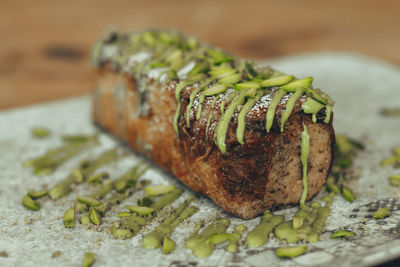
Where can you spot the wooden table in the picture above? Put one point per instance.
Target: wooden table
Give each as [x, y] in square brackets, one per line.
[44, 47]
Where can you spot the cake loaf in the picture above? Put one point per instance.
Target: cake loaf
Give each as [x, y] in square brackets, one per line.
[224, 126]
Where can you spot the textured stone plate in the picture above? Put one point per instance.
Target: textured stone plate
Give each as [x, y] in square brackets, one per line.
[360, 86]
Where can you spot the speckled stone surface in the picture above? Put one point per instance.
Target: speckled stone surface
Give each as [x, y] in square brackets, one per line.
[359, 85]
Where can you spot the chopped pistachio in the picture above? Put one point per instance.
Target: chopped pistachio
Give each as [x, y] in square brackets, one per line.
[396, 151]
[141, 210]
[38, 194]
[121, 233]
[56, 254]
[230, 80]
[316, 94]
[219, 238]
[347, 193]
[342, 233]
[97, 178]
[145, 202]
[277, 81]
[40, 132]
[331, 185]
[390, 112]
[88, 201]
[240, 86]
[158, 189]
[168, 245]
[214, 90]
[199, 68]
[221, 72]
[382, 213]
[79, 138]
[78, 174]
[4, 254]
[124, 214]
[94, 216]
[390, 161]
[395, 180]
[30, 204]
[88, 259]
[85, 220]
[302, 83]
[291, 252]
[69, 218]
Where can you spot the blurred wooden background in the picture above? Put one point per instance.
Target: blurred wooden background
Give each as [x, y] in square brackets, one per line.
[45, 44]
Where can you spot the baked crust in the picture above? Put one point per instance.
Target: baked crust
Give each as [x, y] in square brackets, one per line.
[263, 173]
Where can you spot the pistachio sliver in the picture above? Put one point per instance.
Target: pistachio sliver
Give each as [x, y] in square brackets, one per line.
[88, 201]
[199, 68]
[88, 259]
[78, 175]
[241, 86]
[396, 151]
[389, 161]
[221, 72]
[382, 213]
[141, 210]
[94, 216]
[347, 193]
[40, 132]
[315, 93]
[124, 214]
[69, 218]
[230, 80]
[219, 238]
[85, 220]
[121, 233]
[290, 252]
[395, 180]
[168, 245]
[342, 233]
[30, 204]
[277, 81]
[158, 189]
[214, 90]
[38, 194]
[97, 178]
[293, 86]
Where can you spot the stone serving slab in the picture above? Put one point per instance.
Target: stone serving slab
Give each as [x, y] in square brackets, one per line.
[360, 86]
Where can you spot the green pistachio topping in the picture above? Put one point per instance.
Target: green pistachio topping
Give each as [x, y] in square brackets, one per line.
[342, 233]
[69, 218]
[241, 117]
[291, 252]
[40, 132]
[260, 235]
[38, 194]
[395, 180]
[140, 210]
[168, 245]
[305, 152]
[94, 216]
[187, 61]
[215, 90]
[88, 259]
[290, 105]
[156, 190]
[272, 108]
[200, 243]
[30, 204]
[347, 193]
[382, 213]
[298, 84]
[277, 81]
[240, 86]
